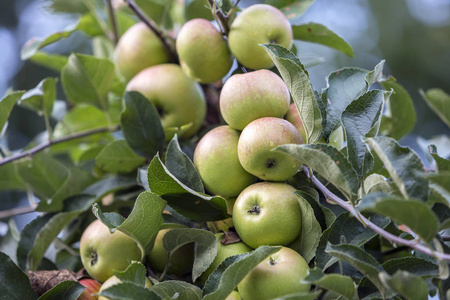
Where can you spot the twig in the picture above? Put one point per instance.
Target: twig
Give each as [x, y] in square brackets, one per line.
[389, 236]
[41, 147]
[112, 18]
[17, 211]
[231, 10]
[150, 24]
[223, 19]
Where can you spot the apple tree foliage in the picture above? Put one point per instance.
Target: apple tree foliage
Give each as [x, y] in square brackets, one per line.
[107, 158]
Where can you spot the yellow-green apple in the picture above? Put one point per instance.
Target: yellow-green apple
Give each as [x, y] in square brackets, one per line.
[217, 162]
[258, 24]
[103, 252]
[137, 49]
[267, 213]
[279, 274]
[223, 225]
[249, 96]
[181, 260]
[224, 251]
[203, 52]
[234, 296]
[178, 98]
[256, 143]
[294, 118]
[113, 280]
[92, 288]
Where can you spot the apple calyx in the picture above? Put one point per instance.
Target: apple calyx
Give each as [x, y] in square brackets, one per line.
[270, 163]
[94, 258]
[256, 210]
[272, 261]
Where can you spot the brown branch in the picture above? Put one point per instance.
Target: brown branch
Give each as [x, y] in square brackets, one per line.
[17, 211]
[222, 18]
[41, 147]
[112, 18]
[150, 24]
[389, 236]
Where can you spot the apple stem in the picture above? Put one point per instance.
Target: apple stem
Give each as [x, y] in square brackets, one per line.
[150, 24]
[112, 18]
[222, 18]
[255, 210]
[413, 244]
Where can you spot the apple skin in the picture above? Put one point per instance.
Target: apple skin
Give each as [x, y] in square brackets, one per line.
[177, 96]
[224, 251]
[223, 225]
[293, 117]
[279, 274]
[181, 260]
[92, 288]
[258, 24]
[250, 96]
[256, 143]
[113, 280]
[203, 53]
[137, 49]
[234, 296]
[217, 162]
[267, 213]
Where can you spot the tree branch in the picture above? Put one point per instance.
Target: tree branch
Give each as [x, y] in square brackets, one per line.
[223, 19]
[150, 24]
[112, 18]
[389, 236]
[41, 147]
[17, 211]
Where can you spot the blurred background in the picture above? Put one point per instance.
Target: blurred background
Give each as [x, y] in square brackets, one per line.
[413, 36]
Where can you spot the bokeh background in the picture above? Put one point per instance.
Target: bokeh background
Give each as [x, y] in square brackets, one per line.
[413, 36]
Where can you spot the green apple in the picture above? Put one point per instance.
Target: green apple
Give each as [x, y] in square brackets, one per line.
[234, 296]
[113, 280]
[178, 98]
[181, 260]
[137, 49]
[294, 118]
[267, 213]
[279, 274]
[217, 162]
[103, 252]
[250, 96]
[256, 143]
[203, 52]
[258, 24]
[224, 251]
[92, 288]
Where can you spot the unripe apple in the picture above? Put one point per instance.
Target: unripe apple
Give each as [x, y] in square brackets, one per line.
[178, 98]
[256, 143]
[250, 96]
[217, 162]
[293, 117]
[267, 213]
[103, 252]
[234, 296]
[203, 52]
[137, 49]
[258, 24]
[113, 280]
[181, 260]
[224, 251]
[92, 288]
[279, 274]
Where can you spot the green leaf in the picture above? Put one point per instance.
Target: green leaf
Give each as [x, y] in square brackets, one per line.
[205, 249]
[329, 163]
[181, 166]
[135, 272]
[180, 290]
[6, 105]
[196, 206]
[440, 182]
[308, 240]
[296, 78]
[144, 221]
[361, 119]
[346, 229]
[439, 102]
[54, 62]
[408, 285]
[359, 259]
[292, 9]
[129, 291]
[117, 156]
[376, 183]
[87, 79]
[232, 270]
[9, 178]
[401, 114]
[197, 9]
[323, 214]
[69, 290]
[42, 97]
[74, 6]
[341, 285]
[418, 266]
[320, 34]
[408, 212]
[442, 164]
[300, 296]
[141, 125]
[404, 166]
[14, 283]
